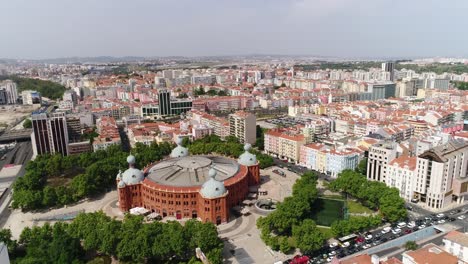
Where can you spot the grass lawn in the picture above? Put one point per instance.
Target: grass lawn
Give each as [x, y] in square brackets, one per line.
[326, 231]
[357, 208]
[326, 211]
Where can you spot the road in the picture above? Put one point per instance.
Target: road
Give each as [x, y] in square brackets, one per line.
[20, 155]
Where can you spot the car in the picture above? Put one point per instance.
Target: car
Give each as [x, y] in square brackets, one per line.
[440, 215]
[416, 228]
[345, 245]
[359, 239]
[421, 226]
[441, 221]
[415, 200]
[384, 239]
[333, 245]
[408, 231]
[451, 219]
[461, 217]
[333, 253]
[377, 242]
[411, 224]
[452, 212]
[329, 259]
[458, 211]
[401, 225]
[391, 237]
[369, 237]
[366, 246]
[409, 208]
[396, 231]
[386, 230]
[377, 235]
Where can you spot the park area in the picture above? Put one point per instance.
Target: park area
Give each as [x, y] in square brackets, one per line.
[326, 211]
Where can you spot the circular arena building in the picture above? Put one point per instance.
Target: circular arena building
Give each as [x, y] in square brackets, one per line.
[183, 186]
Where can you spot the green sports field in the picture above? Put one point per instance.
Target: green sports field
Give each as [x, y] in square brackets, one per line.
[326, 211]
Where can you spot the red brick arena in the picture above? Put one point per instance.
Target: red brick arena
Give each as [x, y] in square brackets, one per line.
[183, 186]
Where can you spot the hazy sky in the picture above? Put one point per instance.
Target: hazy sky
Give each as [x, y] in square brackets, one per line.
[348, 28]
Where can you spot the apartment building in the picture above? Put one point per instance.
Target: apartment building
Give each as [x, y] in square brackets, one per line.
[219, 126]
[380, 156]
[108, 133]
[441, 177]
[456, 243]
[319, 157]
[284, 144]
[243, 126]
[401, 173]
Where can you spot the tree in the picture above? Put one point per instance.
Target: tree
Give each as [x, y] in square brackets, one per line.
[308, 237]
[411, 245]
[5, 237]
[27, 123]
[362, 167]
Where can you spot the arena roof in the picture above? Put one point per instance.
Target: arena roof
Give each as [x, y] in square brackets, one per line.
[191, 170]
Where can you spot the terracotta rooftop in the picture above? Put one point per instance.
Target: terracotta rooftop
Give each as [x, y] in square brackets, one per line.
[430, 254]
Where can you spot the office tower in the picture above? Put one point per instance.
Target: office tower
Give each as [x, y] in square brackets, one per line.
[243, 126]
[389, 67]
[164, 98]
[50, 133]
[31, 97]
[11, 90]
[380, 156]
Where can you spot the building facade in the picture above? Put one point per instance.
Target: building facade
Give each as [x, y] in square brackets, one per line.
[182, 186]
[380, 156]
[50, 133]
[242, 125]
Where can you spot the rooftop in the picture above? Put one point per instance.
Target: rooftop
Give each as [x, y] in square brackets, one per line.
[191, 170]
[431, 254]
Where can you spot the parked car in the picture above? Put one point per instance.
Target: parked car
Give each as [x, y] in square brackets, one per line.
[401, 224]
[461, 217]
[441, 221]
[411, 224]
[408, 231]
[440, 215]
[386, 230]
[396, 231]
[421, 226]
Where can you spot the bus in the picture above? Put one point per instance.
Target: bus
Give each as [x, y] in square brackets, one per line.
[348, 238]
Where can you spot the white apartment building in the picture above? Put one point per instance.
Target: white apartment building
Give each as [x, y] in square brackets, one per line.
[380, 156]
[456, 243]
[401, 173]
[441, 177]
[243, 126]
[11, 91]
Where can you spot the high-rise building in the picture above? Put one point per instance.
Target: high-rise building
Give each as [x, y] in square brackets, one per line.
[11, 90]
[50, 133]
[389, 67]
[243, 126]
[3, 97]
[380, 156]
[441, 177]
[164, 98]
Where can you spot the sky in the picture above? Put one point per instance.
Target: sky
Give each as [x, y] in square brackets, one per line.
[33, 29]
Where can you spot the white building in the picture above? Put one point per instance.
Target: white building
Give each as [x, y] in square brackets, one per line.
[243, 126]
[456, 243]
[11, 91]
[31, 97]
[401, 175]
[380, 156]
[441, 177]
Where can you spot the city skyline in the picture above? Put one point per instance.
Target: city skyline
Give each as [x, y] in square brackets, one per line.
[334, 28]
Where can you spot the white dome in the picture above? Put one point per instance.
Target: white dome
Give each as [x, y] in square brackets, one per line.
[179, 151]
[212, 188]
[132, 176]
[247, 158]
[131, 159]
[121, 184]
